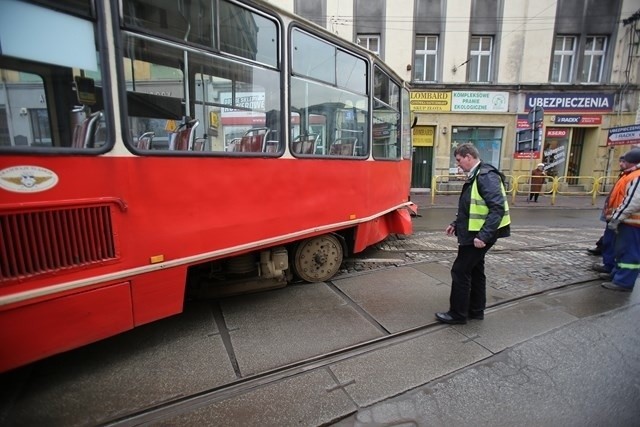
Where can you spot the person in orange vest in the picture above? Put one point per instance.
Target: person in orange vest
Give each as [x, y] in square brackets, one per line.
[622, 212]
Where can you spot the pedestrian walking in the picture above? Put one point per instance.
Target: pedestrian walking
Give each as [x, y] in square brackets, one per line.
[482, 218]
[623, 219]
[538, 177]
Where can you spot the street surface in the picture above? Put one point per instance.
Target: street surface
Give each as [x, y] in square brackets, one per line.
[364, 349]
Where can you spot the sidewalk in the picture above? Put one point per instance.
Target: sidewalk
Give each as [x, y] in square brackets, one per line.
[424, 200]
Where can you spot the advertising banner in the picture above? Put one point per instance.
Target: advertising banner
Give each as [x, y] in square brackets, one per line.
[589, 102]
[527, 145]
[479, 102]
[624, 135]
[429, 101]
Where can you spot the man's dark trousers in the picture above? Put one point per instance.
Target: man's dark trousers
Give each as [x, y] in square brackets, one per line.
[468, 282]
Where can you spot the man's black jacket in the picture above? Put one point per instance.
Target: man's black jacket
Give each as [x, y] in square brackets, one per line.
[489, 179]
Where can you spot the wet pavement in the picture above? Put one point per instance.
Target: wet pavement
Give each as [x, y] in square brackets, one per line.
[554, 348]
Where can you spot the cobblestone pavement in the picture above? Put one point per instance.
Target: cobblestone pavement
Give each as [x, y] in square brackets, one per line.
[532, 260]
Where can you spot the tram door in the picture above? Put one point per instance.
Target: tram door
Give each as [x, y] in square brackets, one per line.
[421, 165]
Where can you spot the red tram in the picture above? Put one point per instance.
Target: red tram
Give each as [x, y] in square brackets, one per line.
[154, 149]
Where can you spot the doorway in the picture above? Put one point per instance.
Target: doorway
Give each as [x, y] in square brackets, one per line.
[575, 154]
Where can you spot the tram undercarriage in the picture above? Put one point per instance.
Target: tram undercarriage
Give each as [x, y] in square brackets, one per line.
[315, 259]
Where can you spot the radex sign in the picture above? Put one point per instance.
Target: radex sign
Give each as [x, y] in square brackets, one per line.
[624, 135]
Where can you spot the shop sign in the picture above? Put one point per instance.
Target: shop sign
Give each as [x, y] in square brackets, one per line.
[570, 101]
[557, 133]
[480, 102]
[585, 119]
[525, 146]
[624, 135]
[430, 101]
[423, 136]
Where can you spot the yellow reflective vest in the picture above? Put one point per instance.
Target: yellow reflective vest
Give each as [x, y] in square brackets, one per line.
[478, 210]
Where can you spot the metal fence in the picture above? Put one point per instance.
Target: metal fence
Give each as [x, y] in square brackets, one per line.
[563, 186]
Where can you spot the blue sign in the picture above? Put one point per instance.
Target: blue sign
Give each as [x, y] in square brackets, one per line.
[570, 101]
[624, 135]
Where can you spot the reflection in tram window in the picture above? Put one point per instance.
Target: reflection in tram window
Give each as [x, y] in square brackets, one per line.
[170, 88]
[51, 98]
[386, 116]
[334, 108]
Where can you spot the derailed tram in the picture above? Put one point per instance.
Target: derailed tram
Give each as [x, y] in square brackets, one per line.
[155, 149]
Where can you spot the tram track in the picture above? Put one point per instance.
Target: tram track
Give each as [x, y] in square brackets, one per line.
[186, 404]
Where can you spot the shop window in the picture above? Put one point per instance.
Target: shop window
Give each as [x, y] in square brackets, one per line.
[488, 141]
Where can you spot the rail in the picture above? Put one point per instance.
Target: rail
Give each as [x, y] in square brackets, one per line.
[518, 185]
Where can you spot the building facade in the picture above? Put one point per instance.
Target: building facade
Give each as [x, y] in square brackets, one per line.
[551, 81]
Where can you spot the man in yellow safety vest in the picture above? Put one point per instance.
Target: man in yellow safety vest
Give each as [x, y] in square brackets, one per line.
[482, 218]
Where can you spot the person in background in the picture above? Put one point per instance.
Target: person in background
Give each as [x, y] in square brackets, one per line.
[623, 219]
[606, 241]
[482, 218]
[537, 179]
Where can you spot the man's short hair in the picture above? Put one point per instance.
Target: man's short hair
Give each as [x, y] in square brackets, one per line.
[467, 149]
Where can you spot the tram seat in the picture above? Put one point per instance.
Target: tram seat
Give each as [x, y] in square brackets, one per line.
[199, 144]
[145, 141]
[233, 145]
[253, 140]
[305, 144]
[84, 133]
[271, 146]
[344, 147]
[183, 138]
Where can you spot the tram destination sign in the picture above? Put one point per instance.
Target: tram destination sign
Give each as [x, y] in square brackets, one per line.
[624, 135]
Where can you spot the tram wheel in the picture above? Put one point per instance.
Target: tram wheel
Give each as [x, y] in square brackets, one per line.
[318, 259]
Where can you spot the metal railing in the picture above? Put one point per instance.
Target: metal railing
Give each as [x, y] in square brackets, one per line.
[521, 184]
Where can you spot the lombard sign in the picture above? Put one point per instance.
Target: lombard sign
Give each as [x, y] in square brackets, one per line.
[624, 135]
[590, 102]
[430, 101]
[480, 102]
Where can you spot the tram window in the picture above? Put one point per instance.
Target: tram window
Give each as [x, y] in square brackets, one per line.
[351, 73]
[45, 55]
[386, 117]
[259, 41]
[343, 114]
[406, 124]
[313, 58]
[242, 32]
[222, 106]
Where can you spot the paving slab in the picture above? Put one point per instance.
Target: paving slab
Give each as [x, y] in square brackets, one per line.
[309, 399]
[587, 300]
[307, 320]
[148, 365]
[583, 374]
[442, 271]
[399, 299]
[514, 323]
[386, 372]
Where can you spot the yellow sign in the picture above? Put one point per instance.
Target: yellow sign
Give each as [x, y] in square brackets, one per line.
[430, 101]
[423, 136]
[171, 126]
[214, 121]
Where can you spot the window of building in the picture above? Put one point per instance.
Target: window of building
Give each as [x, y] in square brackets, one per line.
[480, 51]
[563, 58]
[488, 141]
[593, 61]
[426, 59]
[370, 42]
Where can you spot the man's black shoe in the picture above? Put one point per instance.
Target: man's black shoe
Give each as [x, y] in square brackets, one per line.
[595, 251]
[478, 315]
[447, 318]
